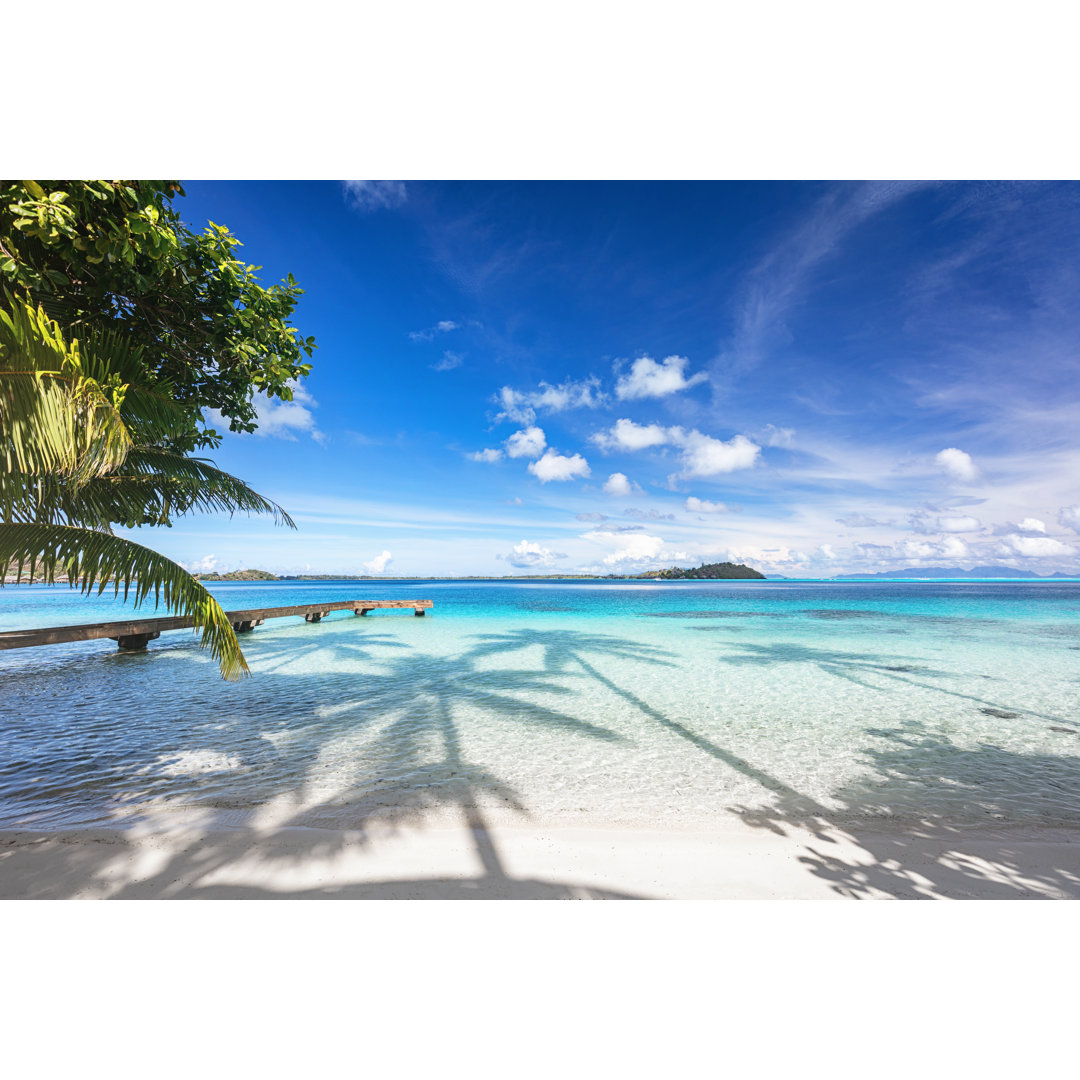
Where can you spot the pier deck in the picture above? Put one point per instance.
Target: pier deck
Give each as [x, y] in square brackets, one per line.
[135, 633]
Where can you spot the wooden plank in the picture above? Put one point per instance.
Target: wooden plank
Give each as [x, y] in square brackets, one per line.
[56, 635]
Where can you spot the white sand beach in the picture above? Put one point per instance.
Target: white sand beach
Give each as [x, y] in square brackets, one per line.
[504, 860]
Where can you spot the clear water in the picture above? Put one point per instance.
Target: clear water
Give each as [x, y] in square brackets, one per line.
[663, 704]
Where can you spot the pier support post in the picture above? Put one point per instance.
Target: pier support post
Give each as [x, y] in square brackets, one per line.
[419, 612]
[135, 642]
[315, 616]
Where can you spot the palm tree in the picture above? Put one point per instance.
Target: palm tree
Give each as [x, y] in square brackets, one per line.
[85, 444]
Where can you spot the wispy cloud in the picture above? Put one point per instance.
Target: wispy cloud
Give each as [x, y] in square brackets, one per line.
[449, 361]
[367, 195]
[444, 326]
[782, 278]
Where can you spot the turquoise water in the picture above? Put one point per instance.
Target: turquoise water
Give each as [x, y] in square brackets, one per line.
[675, 703]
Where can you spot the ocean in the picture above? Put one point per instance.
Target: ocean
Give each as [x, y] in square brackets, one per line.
[659, 704]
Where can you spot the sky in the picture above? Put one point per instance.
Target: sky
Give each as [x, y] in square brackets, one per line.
[513, 378]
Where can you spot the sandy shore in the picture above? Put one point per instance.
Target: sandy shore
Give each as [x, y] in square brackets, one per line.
[493, 860]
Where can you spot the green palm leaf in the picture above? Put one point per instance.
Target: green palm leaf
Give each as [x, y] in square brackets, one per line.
[90, 559]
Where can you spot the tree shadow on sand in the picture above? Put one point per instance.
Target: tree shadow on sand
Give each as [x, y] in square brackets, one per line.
[916, 854]
[365, 751]
[359, 756]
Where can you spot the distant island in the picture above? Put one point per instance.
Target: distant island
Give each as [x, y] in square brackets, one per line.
[952, 572]
[707, 571]
[240, 575]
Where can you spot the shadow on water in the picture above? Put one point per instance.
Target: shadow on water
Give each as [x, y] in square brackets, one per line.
[390, 740]
[368, 752]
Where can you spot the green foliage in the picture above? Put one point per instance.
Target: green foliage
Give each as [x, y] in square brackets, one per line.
[113, 256]
[712, 571]
[85, 444]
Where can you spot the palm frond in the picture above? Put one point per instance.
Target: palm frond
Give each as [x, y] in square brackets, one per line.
[53, 418]
[196, 484]
[91, 559]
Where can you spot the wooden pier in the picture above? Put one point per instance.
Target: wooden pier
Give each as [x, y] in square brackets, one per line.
[135, 633]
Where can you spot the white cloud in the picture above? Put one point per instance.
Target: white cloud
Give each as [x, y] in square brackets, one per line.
[626, 435]
[1037, 547]
[958, 524]
[647, 378]
[379, 563]
[957, 464]
[618, 484]
[827, 552]
[861, 521]
[489, 457]
[443, 326]
[529, 442]
[1028, 527]
[777, 556]
[1069, 518]
[779, 436]
[449, 361]
[280, 419]
[529, 554]
[553, 466]
[703, 506]
[648, 515]
[375, 194]
[206, 565]
[702, 455]
[635, 548]
[521, 406]
[952, 547]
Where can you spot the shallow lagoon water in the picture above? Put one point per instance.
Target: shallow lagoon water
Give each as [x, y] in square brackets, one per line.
[668, 704]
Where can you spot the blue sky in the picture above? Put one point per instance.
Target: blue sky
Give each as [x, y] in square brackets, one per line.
[813, 378]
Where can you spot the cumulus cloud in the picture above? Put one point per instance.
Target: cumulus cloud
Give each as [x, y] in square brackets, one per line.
[626, 435]
[618, 484]
[489, 457]
[703, 506]
[957, 464]
[521, 406]
[1069, 518]
[449, 361]
[1037, 547]
[554, 466]
[375, 194]
[702, 455]
[1028, 527]
[529, 554]
[379, 563]
[639, 549]
[206, 565]
[281, 419]
[826, 552]
[529, 442]
[647, 378]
